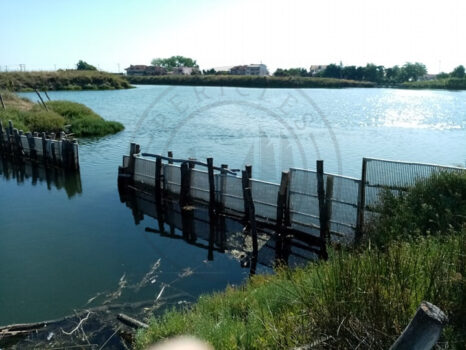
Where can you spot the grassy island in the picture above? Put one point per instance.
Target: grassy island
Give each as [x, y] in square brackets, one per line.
[361, 297]
[59, 116]
[62, 80]
[247, 81]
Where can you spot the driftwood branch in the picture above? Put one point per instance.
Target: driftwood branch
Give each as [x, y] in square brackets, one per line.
[79, 325]
[132, 322]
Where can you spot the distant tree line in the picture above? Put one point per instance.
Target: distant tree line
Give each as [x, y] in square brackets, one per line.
[409, 72]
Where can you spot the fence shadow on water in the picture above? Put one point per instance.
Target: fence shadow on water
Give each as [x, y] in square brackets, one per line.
[38, 174]
[217, 234]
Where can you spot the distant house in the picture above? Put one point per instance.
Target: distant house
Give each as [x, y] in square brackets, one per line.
[316, 69]
[185, 70]
[141, 69]
[257, 69]
[238, 70]
[138, 69]
[251, 69]
[428, 77]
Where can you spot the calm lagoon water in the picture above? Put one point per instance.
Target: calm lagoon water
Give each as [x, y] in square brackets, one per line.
[59, 248]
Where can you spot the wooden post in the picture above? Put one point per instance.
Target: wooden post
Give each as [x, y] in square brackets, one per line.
[222, 189]
[131, 164]
[321, 197]
[185, 184]
[65, 153]
[191, 163]
[210, 170]
[1, 136]
[252, 227]
[41, 100]
[44, 148]
[280, 218]
[245, 177]
[19, 146]
[32, 146]
[423, 331]
[281, 199]
[1, 100]
[328, 207]
[361, 204]
[158, 179]
[170, 155]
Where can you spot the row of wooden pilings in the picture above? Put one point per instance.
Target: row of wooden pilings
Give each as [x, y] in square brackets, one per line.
[51, 150]
[281, 224]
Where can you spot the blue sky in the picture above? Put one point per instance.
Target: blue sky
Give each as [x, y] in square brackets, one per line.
[294, 33]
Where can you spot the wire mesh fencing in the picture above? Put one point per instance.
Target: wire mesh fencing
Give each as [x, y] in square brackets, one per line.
[352, 200]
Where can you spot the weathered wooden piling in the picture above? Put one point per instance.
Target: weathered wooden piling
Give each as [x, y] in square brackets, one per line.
[252, 228]
[245, 177]
[185, 184]
[322, 211]
[424, 329]
[361, 203]
[17, 145]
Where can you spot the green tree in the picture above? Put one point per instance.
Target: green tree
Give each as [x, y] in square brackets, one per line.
[291, 72]
[332, 71]
[374, 73]
[82, 65]
[174, 61]
[458, 72]
[412, 71]
[392, 75]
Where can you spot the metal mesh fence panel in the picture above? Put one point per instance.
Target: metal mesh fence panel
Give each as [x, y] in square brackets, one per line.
[396, 176]
[303, 200]
[233, 193]
[172, 178]
[144, 171]
[264, 196]
[199, 185]
[344, 206]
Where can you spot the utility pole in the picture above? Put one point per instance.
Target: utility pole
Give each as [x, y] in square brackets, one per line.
[118, 67]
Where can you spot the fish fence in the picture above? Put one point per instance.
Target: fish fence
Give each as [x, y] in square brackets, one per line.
[52, 149]
[328, 206]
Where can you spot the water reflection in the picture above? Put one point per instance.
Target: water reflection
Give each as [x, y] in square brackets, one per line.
[37, 173]
[221, 234]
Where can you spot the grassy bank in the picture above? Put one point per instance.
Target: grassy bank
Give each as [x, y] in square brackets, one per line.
[247, 81]
[61, 115]
[360, 298]
[61, 80]
[445, 84]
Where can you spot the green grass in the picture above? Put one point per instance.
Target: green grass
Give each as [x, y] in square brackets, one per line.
[355, 299]
[247, 81]
[448, 84]
[82, 121]
[62, 80]
[360, 298]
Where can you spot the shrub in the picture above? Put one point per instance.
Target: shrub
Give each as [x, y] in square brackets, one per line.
[432, 207]
[61, 80]
[84, 122]
[28, 116]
